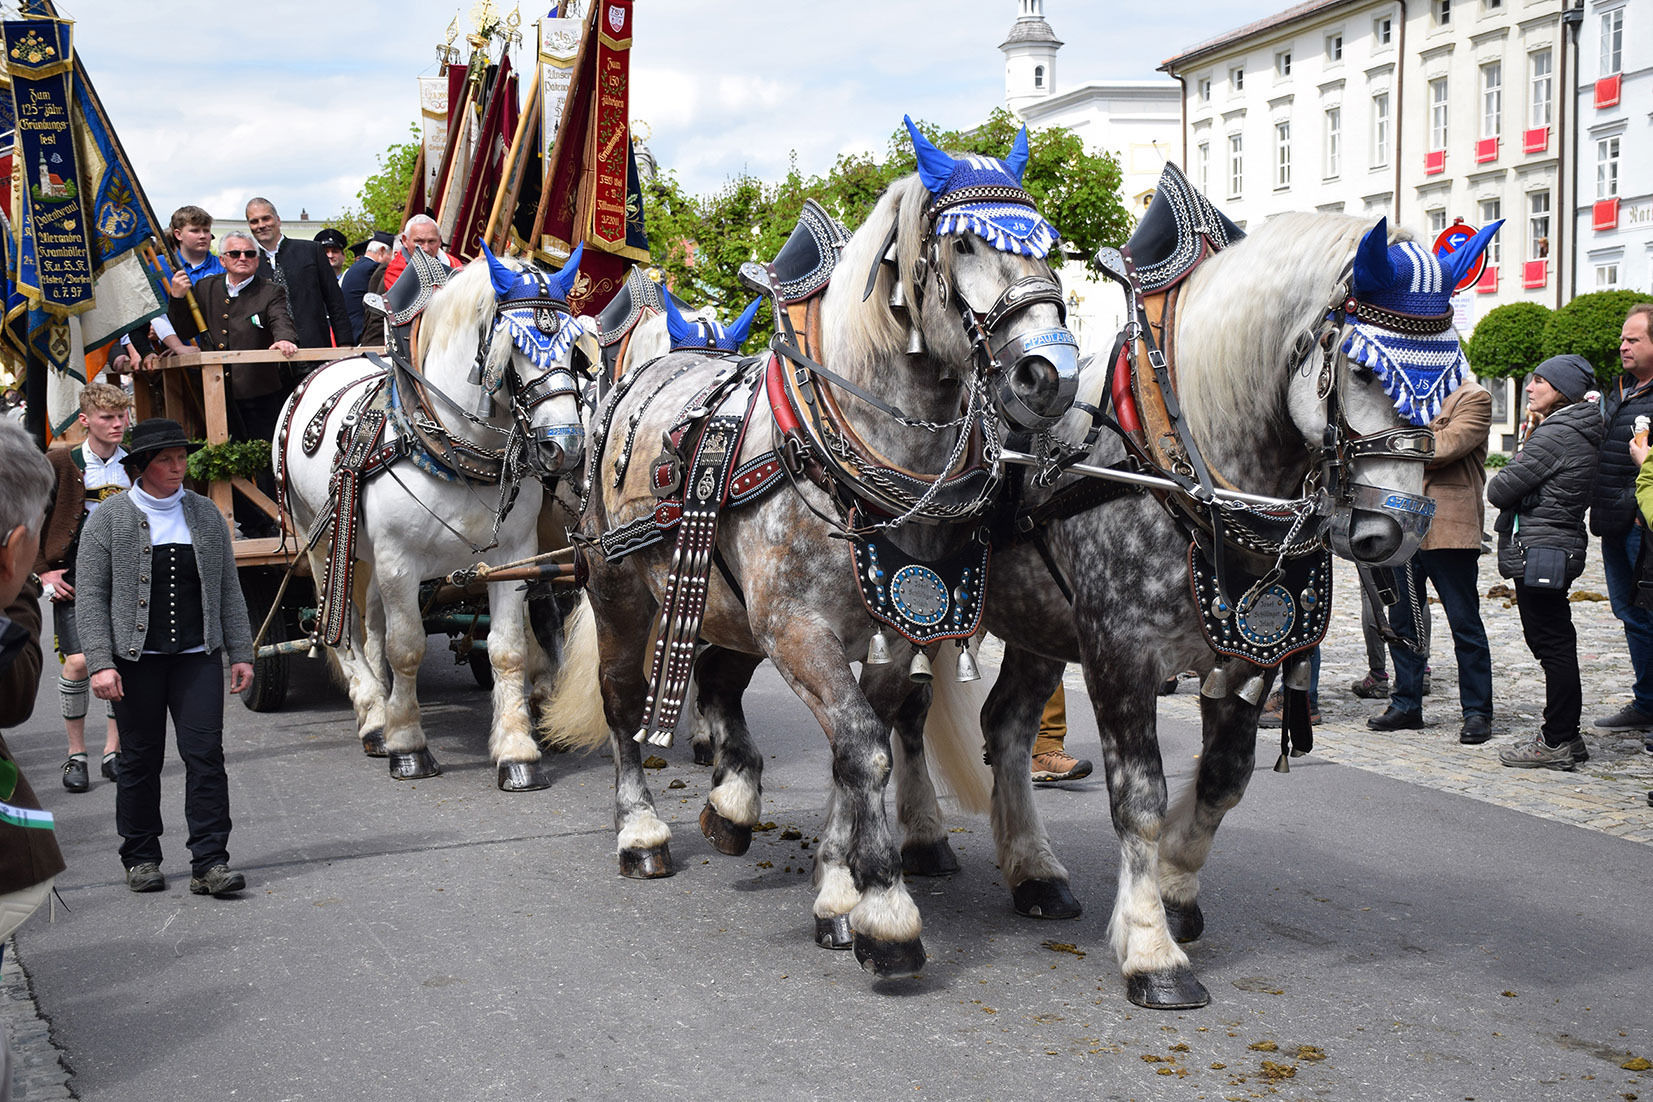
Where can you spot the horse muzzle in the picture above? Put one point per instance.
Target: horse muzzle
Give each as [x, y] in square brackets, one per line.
[1038, 376]
[1379, 527]
[557, 449]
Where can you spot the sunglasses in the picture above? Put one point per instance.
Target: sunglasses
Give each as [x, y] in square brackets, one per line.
[240, 254]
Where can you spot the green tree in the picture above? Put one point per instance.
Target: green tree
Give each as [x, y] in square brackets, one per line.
[699, 243]
[1590, 326]
[1508, 342]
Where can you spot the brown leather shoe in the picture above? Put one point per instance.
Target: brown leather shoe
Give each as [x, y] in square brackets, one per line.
[1057, 766]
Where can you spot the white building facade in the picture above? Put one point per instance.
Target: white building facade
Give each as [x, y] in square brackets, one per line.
[1613, 215]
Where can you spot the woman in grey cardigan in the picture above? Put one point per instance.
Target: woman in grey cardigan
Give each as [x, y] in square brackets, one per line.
[1542, 495]
[160, 606]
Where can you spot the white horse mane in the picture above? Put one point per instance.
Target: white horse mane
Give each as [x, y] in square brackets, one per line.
[860, 332]
[1244, 310]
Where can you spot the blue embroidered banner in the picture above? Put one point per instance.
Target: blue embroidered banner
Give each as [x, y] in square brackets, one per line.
[54, 255]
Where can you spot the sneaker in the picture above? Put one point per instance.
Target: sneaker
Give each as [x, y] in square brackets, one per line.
[1535, 753]
[109, 767]
[1374, 686]
[75, 777]
[1057, 766]
[218, 881]
[1627, 718]
[1581, 752]
[145, 877]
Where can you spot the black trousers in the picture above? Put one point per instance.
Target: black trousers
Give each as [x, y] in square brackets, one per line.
[190, 688]
[1547, 623]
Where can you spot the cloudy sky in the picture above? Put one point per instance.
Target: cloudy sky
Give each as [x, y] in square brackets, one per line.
[294, 99]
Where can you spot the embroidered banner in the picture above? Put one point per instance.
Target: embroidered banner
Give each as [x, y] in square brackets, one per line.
[433, 122]
[559, 49]
[605, 219]
[55, 254]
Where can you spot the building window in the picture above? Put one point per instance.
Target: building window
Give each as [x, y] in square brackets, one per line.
[1202, 163]
[1334, 47]
[1607, 276]
[1383, 31]
[1380, 130]
[1541, 88]
[1282, 63]
[1491, 211]
[1493, 5]
[1538, 225]
[1442, 11]
[1282, 155]
[1038, 76]
[1437, 114]
[1334, 141]
[1607, 168]
[1236, 80]
[1492, 99]
[1236, 165]
[1612, 42]
[1437, 221]
[1205, 89]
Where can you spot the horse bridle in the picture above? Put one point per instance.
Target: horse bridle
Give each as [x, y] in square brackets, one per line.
[550, 315]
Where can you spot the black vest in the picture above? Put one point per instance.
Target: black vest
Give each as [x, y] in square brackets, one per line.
[177, 622]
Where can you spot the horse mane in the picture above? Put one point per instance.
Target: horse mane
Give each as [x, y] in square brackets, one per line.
[857, 331]
[1244, 310]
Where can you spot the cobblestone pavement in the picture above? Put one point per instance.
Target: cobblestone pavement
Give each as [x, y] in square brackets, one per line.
[1609, 793]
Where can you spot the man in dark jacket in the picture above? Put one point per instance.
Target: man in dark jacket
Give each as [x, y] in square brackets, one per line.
[301, 269]
[1613, 512]
[354, 284]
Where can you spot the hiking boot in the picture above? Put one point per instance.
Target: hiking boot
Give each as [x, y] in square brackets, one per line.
[75, 777]
[1374, 686]
[1581, 752]
[1627, 718]
[1393, 719]
[145, 877]
[109, 767]
[218, 881]
[1535, 753]
[1057, 766]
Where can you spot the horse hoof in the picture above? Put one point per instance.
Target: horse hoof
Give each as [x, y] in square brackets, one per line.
[929, 858]
[727, 837]
[1186, 923]
[1045, 899]
[414, 765]
[373, 742]
[833, 933]
[647, 864]
[523, 776]
[702, 753]
[889, 958]
[1172, 989]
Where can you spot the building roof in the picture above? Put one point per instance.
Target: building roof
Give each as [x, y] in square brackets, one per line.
[1034, 30]
[1211, 45]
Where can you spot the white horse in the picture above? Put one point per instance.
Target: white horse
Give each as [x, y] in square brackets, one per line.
[491, 409]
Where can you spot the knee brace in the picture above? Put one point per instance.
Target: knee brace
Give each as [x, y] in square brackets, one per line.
[73, 695]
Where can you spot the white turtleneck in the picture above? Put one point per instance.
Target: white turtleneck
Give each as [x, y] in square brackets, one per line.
[166, 515]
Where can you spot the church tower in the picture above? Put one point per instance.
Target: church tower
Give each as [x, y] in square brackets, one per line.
[1029, 57]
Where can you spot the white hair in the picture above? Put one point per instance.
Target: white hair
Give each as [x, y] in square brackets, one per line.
[27, 477]
[223, 242]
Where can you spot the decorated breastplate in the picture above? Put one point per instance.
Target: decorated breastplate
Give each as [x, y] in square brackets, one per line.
[925, 601]
[1273, 617]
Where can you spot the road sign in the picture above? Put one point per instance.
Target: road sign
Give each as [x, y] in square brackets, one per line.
[1450, 241]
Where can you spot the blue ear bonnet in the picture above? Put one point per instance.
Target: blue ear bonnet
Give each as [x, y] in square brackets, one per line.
[971, 193]
[533, 307]
[706, 335]
[1399, 315]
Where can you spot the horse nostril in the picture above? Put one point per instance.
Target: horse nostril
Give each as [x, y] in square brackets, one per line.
[1376, 537]
[1037, 382]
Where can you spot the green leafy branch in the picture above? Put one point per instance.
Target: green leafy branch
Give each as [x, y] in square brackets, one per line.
[232, 459]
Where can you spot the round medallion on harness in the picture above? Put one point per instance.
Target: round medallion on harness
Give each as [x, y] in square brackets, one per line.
[1270, 618]
[919, 594]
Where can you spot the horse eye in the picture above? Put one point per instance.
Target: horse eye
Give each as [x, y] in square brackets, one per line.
[961, 244]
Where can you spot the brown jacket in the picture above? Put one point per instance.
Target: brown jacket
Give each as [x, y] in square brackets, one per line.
[27, 855]
[231, 326]
[63, 517]
[1457, 477]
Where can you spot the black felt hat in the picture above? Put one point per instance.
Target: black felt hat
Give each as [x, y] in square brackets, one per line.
[153, 436]
[385, 239]
[333, 237]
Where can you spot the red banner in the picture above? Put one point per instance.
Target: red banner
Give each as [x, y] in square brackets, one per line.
[605, 223]
[498, 128]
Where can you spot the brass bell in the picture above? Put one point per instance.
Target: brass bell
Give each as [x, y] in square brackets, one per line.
[1283, 765]
[1251, 689]
[898, 296]
[878, 651]
[915, 342]
[1215, 686]
[919, 671]
[967, 670]
[1299, 673]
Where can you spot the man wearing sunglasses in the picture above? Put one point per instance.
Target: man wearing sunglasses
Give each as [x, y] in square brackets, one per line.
[243, 311]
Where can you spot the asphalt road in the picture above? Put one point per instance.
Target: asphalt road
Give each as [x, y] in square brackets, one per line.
[1366, 939]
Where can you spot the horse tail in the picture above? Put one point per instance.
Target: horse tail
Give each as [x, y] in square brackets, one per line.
[952, 735]
[574, 718]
